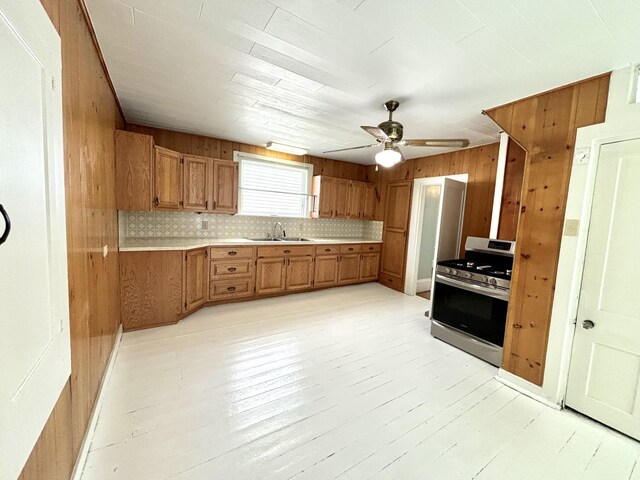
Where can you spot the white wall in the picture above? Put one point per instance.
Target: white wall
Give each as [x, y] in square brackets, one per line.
[429, 227]
[622, 118]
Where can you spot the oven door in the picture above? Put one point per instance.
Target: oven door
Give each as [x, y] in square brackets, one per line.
[476, 310]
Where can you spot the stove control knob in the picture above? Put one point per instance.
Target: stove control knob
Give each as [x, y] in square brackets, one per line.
[454, 272]
[447, 270]
[492, 281]
[468, 275]
[483, 279]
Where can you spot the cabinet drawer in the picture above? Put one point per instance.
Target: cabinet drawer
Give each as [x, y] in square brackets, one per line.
[285, 251]
[391, 282]
[238, 287]
[350, 248]
[231, 252]
[226, 268]
[327, 249]
[371, 247]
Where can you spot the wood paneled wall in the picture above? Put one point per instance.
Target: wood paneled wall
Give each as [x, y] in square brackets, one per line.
[545, 126]
[479, 163]
[512, 191]
[218, 148]
[90, 117]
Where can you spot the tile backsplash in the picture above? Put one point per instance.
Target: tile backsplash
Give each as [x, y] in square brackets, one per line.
[190, 225]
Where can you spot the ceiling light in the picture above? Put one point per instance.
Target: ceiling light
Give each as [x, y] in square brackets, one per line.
[278, 147]
[389, 156]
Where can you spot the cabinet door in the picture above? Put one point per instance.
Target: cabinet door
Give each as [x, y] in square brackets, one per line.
[270, 275]
[370, 200]
[324, 190]
[326, 271]
[167, 180]
[356, 200]
[225, 187]
[196, 278]
[348, 268]
[369, 265]
[341, 198]
[299, 273]
[196, 171]
[394, 248]
[134, 164]
[150, 288]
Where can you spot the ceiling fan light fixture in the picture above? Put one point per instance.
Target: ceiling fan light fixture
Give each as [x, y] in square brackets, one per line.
[389, 156]
[279, 147]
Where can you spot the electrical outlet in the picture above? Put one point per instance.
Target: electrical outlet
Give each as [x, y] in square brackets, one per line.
[105, 251]
[205, 224]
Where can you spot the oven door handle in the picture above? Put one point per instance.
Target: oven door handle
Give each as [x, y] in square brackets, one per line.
[500, 295]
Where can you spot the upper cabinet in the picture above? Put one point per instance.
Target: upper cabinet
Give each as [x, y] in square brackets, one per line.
[340, 198]
[156, 178]
[196, 184]
[225, 187]
[167, 179]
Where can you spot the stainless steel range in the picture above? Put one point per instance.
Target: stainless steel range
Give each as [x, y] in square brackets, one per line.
[470, 298]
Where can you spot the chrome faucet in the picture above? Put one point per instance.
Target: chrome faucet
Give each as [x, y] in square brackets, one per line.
[275, 227]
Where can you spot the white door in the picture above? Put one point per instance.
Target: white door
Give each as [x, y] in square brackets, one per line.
[450, 228]
[604, 377]
[34, 309]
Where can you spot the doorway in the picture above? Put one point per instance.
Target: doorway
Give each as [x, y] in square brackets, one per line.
[604, 373]
[435, 228]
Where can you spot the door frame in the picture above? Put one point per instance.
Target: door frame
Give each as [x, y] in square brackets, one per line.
[415, 225]
[581, 252]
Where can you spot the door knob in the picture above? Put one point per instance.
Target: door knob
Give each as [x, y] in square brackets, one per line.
[588, 324]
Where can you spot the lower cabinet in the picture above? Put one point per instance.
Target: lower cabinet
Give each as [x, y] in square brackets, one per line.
[150, 288]
[270, 275]
[326, 271]
[369, 266]
[299, 273]
[348, 268]
[196, 278]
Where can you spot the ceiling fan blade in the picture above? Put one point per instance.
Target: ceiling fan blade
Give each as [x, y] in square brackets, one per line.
[376, 132]
[353, 148]
[435, 142]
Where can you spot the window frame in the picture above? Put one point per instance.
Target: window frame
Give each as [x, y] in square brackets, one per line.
[308, 197]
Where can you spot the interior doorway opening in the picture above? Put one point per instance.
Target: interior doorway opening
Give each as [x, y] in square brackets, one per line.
[435, 230]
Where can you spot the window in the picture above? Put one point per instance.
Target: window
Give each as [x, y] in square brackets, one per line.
[273, 187]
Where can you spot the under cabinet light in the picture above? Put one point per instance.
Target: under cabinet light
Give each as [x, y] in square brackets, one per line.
[278, 147]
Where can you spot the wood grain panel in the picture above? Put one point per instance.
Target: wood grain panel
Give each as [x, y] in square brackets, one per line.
[151, 288]
[90, 117]
[218, 148]
[512, 192]
[133, 171]
[545, 126]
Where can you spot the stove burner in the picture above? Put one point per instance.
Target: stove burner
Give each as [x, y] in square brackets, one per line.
[470, 264]
[484, 268]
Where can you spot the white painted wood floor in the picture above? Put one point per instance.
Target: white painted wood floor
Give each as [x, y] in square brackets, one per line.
[344, 383]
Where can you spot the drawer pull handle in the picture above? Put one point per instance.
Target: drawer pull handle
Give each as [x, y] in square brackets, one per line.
[231, 269]
[231, 289]
[351, 249]
[232, 253]
[327, 249]
[287, 251]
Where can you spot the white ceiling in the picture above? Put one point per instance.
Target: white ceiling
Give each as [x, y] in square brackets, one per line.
[309, 72]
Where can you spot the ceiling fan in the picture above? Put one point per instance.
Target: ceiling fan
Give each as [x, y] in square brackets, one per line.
[389, 134]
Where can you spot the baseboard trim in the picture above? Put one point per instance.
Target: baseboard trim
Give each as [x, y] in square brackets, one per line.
[95, 414]
[525, 388]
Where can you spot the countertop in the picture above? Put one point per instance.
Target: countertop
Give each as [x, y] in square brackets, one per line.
[151, 244]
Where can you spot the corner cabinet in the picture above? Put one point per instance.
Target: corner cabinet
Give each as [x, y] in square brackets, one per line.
[150, 177]
[196, 281]
[341, 198]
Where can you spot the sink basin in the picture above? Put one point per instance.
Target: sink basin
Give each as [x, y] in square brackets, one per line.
[286, 239]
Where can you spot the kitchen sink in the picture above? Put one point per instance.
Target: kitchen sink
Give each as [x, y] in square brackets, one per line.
[286, 239]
